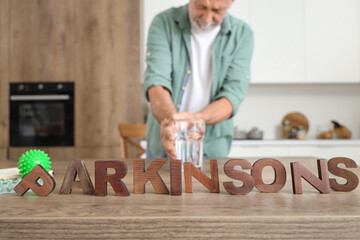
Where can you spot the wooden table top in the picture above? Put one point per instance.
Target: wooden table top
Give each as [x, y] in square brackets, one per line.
[200, 214]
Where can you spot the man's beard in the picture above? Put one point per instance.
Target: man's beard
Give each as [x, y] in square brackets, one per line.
[197, 23]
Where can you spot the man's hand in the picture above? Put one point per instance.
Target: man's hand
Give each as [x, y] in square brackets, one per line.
[167, 131]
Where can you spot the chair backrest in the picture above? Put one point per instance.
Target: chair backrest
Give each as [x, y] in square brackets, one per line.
[128, 131]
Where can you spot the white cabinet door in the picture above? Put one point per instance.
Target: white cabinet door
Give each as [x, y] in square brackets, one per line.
[332, 41]
[279, 47]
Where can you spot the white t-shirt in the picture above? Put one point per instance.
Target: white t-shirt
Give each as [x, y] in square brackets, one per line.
[197, 94]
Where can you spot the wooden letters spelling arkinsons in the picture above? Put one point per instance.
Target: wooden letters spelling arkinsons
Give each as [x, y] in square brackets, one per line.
[141, 176]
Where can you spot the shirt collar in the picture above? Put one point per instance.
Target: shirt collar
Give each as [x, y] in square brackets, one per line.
[184, 23]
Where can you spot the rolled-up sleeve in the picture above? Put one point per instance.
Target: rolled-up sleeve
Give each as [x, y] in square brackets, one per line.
[237, 78]
[158, 56]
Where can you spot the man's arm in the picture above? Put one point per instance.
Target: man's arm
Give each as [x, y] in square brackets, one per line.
[163, 108]
[214, 113]
[160, 103]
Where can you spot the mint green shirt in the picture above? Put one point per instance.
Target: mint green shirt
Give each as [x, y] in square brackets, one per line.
[168, 65]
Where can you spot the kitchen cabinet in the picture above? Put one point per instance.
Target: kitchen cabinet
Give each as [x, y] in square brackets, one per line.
[306, 41]
[332, 41]
[2, 153]
[279, 47]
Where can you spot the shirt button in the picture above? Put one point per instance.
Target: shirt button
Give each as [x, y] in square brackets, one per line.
[178, 106]
[248, 76]
[183, 88]
[188, 71]
[148, 54]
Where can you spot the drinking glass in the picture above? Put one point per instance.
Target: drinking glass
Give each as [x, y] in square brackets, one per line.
[189, 136]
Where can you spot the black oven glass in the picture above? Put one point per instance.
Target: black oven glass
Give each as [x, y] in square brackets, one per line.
[42, 114]
[41, 119]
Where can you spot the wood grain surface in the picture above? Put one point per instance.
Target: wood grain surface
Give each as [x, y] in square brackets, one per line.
[197, 215]
[108, 84]
[4, 74]
[41, 41]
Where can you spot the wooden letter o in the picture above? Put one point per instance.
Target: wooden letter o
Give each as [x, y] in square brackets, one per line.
[280, 175]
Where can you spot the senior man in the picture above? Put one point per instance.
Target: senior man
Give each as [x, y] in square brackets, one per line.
[198, 67]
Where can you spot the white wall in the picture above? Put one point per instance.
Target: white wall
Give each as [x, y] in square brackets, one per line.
[266, 105]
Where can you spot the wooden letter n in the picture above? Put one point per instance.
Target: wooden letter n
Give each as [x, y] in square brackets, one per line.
[102, 178]
[191, 171]
[321, 183]
[75, 168]
[30, 182]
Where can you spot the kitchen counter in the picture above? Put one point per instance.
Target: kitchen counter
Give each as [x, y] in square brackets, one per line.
[295, 142]
[324, 149]
[200, 215]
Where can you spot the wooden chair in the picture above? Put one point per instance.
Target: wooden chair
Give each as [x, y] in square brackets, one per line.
[131, 131]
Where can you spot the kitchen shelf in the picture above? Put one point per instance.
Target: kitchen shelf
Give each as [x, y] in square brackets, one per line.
[294, 142]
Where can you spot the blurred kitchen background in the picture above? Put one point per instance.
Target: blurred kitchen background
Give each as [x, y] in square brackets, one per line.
[306, 62]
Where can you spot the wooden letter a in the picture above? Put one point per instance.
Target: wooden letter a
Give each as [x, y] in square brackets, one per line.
[75, 168]
[191, 171]
[30, 182]
[142, 176]
[321, 183]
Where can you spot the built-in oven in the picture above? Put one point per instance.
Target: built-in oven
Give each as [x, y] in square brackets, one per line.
[42, 114]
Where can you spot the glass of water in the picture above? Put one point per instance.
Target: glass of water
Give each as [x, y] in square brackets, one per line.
[189, 136]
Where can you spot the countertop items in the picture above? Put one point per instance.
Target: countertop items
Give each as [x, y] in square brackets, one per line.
[341, 131]
[296, 119]
[294, 126]
[253, 134]
[337, 131]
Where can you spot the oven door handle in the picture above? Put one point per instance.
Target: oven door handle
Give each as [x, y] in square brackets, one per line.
[40, 97]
